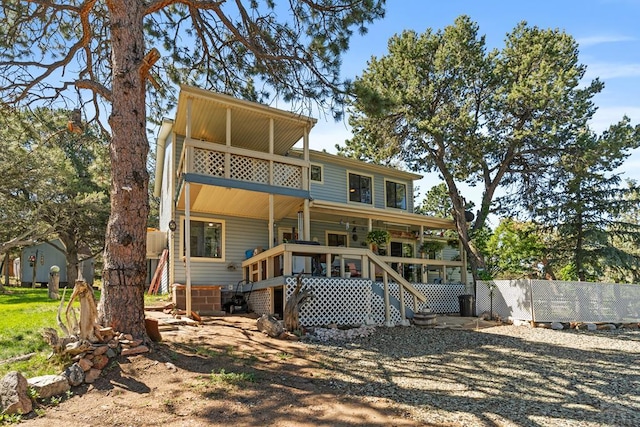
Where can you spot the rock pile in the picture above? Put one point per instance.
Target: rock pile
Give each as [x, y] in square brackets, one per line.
[587, 326]
[333, 333]
[86, 368]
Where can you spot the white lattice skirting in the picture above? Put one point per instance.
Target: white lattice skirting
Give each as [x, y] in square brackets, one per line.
[357, 301]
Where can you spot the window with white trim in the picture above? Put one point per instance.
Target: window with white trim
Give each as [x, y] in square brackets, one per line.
[206, 239]
[360, 188]
[396, 195]
[317, 173]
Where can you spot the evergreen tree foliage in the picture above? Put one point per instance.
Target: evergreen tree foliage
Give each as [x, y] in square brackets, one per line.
[585, 211]
[56, 184]
[443, 103]
[102, 57]
[514, 250]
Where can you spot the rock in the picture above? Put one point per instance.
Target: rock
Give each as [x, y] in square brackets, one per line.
[288, 336]
[607, 327]
[85, 364]
[13, 394]
[101, 349]
[591, 327]
[629, 326]
[100, 361]
[92, 375]
[135, 350]
[270, 325]
[111, 353]
[107, 334]
[557, 326]
[77, 347]
[74, 374]
[49, 385]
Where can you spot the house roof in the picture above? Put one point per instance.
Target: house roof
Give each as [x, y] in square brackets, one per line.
[388, 217]
[250, 122]
[349, 162]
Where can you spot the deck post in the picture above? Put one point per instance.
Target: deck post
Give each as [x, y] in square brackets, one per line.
[187, 246]
[387, 304]
[403, 310]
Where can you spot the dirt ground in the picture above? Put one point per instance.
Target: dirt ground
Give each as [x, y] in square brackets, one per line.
[261, 381]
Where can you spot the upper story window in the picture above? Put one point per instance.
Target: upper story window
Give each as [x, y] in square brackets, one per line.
[360, 188]
[317, 174]
[396, 195]
[206, 240]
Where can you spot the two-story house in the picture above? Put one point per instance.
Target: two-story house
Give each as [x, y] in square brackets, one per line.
[245, 200]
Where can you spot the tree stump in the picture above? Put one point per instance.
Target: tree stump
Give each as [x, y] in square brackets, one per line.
[292, 308]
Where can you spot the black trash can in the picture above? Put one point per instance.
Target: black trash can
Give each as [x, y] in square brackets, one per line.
[466, 305]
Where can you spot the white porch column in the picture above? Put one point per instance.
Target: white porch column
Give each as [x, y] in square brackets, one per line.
[271, 221]
[187, 245]
[227, 155]
[305, 155]
[187, 222]
[306, 220]
[271, 149]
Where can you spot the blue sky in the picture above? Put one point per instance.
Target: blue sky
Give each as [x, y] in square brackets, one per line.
[608, 33]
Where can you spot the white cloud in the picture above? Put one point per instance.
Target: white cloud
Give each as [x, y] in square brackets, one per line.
[601, 39]
[606, 116]
[611, 70]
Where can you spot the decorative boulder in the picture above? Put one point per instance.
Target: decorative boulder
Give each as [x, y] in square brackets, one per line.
[74, 374]
[13, 394]
[270, 325]
[49, 385]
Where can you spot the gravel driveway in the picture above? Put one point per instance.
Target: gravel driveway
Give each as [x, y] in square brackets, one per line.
[500, 376]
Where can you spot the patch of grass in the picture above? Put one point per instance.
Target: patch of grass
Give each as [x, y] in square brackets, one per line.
[231, 378]
[284, 356]
[158, 298]
[250, 359]
[25, 312]
[10, 419]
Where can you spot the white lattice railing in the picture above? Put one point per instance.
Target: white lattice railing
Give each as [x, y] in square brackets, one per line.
[218, 160]
[556, 301]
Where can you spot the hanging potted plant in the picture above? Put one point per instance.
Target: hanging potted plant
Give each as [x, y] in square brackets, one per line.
[430, 247]
[378, 238]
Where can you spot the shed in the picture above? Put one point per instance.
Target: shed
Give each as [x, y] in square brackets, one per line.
[39, 258]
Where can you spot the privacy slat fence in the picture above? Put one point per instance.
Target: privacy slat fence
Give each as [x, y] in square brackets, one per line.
[557, 301]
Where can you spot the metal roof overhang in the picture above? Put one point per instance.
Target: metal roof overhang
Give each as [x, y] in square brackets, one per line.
[321, 208]
[220, 196]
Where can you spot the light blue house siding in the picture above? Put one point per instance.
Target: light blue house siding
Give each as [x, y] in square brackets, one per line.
[241, 234]
[168, 181]
[335, 185]
[46, 255]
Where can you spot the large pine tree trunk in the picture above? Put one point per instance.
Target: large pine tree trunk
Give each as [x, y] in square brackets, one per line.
[122, 300]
